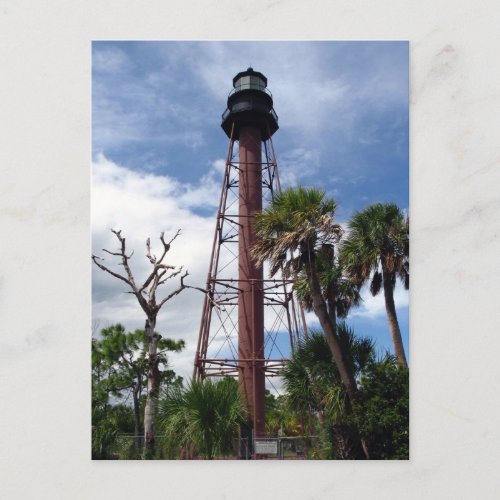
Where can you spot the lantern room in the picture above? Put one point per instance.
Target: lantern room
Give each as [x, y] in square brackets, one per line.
[250, 104]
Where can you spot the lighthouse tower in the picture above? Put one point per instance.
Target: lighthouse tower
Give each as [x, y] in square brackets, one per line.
[249, 324]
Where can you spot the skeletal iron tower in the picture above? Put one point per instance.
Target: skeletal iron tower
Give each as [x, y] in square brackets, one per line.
[249, 324]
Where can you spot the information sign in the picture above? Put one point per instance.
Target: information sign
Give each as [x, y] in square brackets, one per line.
[268, 447]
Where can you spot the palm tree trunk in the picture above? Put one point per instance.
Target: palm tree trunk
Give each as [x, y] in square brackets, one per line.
[393, 319]
[330, 331]
[153, 389]
[332, 308]
[332, 314]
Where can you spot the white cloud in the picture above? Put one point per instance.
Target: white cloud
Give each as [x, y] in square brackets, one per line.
[298, 164]
[373, 307]
[306, 97]
[170, 105]
[320, 96]
[143, 205]
[207, 192]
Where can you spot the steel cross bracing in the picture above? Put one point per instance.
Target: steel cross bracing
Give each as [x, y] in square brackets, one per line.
[284, 324]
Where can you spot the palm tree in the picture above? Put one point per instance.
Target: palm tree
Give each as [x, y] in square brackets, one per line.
[204, 418]
[314, 386]
[300, 221]
[340, 293]
[377, 251]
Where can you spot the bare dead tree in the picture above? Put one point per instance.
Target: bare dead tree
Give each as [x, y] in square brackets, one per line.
[146, 296]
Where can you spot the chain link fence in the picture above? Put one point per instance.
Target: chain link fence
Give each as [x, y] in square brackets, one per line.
[268, 448]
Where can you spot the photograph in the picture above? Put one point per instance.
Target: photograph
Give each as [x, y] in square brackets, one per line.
[250, 228]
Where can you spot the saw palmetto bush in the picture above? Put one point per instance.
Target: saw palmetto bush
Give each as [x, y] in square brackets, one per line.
[202, 419]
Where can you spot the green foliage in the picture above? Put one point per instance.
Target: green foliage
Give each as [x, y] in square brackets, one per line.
[103, 439]
[297, 219]
[338, 291]
[378, 238]
[119, 369]
[119, 362]
[202, 419]
[124, 355]
[108, 422]
[314, 388]
[281, 420]
[310, 374]
[377, 252]
[382, 414]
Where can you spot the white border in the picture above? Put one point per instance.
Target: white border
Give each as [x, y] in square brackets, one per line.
[45, 263]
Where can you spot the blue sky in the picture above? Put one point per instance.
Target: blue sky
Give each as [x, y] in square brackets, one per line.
[158, 151]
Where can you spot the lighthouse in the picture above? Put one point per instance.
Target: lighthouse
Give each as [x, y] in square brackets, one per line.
[238, 296]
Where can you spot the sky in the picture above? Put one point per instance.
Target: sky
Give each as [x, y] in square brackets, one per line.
[158, 154]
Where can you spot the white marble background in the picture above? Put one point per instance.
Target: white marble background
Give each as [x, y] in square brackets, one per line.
[45, 248]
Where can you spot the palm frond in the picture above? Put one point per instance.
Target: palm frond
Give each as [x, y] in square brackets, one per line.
[297, 220]
[376, 283]
[379, 232]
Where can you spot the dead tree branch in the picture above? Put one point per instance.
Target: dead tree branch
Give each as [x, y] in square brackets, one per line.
[146, 294]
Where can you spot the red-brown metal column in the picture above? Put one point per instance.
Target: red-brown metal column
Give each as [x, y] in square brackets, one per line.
[251, 297]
